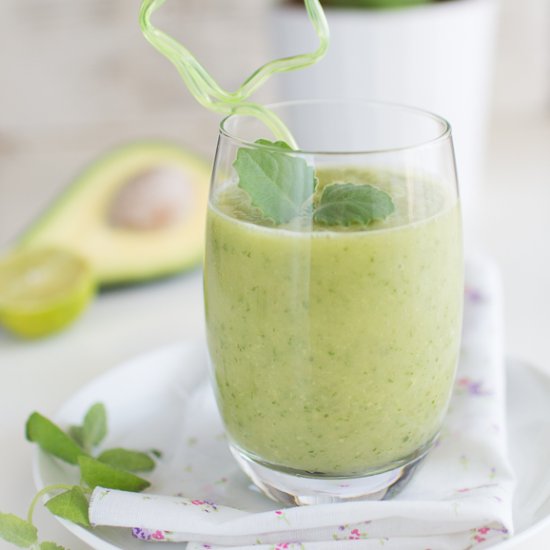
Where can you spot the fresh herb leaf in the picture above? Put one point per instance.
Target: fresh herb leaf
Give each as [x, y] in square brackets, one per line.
[94, 428]
[52, 439]
[76, 433]
[156, 453]
[278, 144]
[51, 546]
[17, 531]
[96, 473]
[131, 461]
[71, 505]
[277, 182]
[348, 204]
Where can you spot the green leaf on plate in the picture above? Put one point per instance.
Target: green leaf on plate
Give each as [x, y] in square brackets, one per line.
[277, 182]
[132, 461]
[51, 546]
[76, 433]
[96, 473]
[94, 428]
[156, 453]
[52, 439]
[71, 505]
[17, 531]
[352, 204]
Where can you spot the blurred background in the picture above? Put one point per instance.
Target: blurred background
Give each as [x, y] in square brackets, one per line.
[77, 79]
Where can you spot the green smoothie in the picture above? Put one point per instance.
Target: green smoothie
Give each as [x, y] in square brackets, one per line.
[334, 350]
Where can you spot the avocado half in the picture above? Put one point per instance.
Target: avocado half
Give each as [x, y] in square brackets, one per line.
[136, 214]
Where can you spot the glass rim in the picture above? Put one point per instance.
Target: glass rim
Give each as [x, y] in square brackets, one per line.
[443, 135]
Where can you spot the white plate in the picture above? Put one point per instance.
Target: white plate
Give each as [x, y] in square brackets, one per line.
[145, 399]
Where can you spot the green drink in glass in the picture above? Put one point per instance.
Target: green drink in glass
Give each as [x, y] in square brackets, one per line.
[334, 304]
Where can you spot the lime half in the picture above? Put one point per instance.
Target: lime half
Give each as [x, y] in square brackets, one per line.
[43, 290]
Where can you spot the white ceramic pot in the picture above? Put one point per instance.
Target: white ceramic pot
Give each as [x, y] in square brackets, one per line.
[436, 56]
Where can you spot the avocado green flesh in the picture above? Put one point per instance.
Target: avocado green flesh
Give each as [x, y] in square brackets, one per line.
[334, 352]
[79, 220]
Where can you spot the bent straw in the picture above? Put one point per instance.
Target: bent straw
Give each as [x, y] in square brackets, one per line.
[210, 94]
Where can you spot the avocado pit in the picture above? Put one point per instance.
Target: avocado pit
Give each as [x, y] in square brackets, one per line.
[154, 199]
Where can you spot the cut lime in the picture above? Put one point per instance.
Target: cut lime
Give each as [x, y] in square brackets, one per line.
[43, 290]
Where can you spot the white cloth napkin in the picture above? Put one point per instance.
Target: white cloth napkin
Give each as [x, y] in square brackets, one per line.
[459, 499]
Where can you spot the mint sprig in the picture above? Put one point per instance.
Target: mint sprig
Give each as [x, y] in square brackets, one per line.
[19, 532]
[282, 186]
[131, 461]
[52, 439]
[277, 182]
[96, 473]
[71, 505]
[94, 427]
[112, 468]
[352, 204]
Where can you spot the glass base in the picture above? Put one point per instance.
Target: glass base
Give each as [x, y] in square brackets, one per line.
[294, 489]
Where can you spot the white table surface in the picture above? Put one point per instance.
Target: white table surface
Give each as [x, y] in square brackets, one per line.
[514, 229]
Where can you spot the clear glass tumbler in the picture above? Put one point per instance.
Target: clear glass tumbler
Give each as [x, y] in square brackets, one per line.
[333, 294]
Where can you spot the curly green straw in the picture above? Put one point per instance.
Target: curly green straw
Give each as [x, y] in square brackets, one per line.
[210, 94]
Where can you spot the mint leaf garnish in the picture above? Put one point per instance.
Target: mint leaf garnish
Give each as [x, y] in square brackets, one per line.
[279, 144]
[71, 505]
[131, 461]
[277, 183]
[96, 473]
[112, 470]
[17, 531]
[52, 439]
[76, 433]
[94, 428]
[348, 204]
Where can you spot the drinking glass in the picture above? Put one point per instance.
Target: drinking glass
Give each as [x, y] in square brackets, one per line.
[334, 347]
